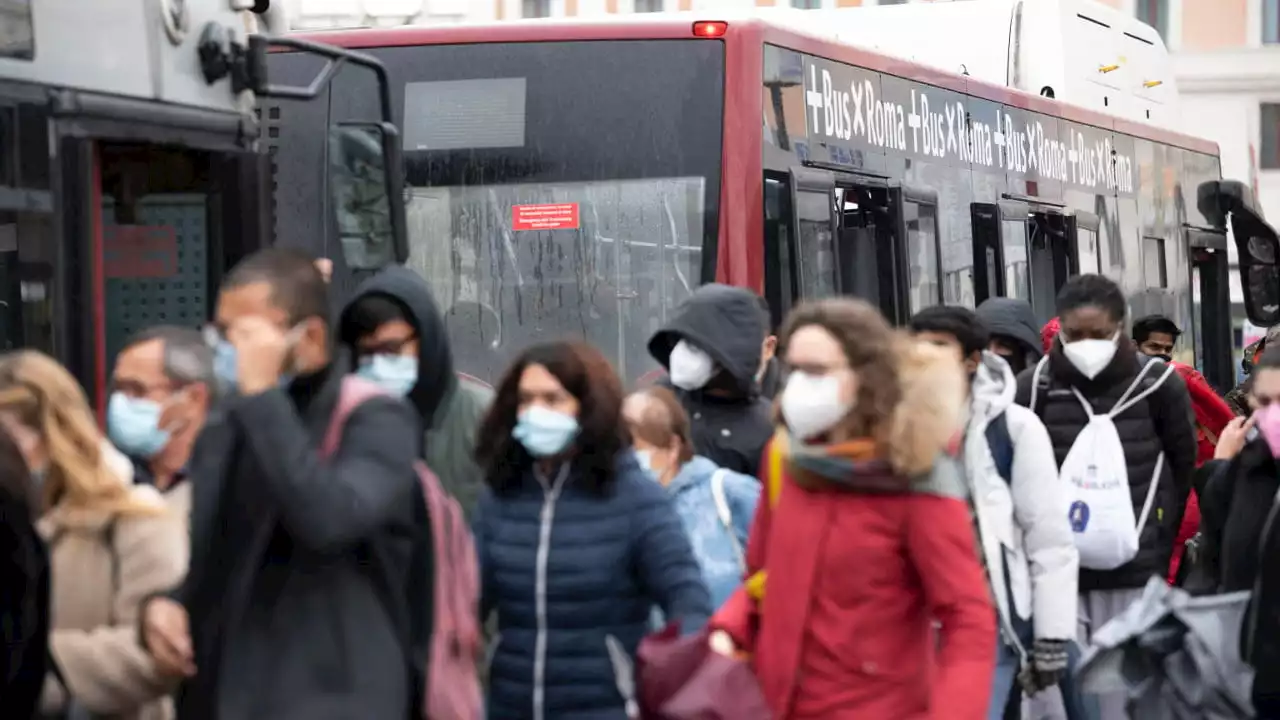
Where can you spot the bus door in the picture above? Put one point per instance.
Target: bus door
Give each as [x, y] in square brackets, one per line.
[1001, 258]
[1211, 300]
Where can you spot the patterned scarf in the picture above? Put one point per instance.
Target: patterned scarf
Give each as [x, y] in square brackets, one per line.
[854, 464]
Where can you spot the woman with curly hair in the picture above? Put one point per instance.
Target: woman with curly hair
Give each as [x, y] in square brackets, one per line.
[111, 544]
[865, 539]
[576, 543]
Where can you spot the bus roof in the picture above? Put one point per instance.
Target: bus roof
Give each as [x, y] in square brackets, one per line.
[784, 27]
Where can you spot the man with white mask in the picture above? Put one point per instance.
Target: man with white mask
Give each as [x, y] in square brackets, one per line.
[711, 348]
[1123, 436]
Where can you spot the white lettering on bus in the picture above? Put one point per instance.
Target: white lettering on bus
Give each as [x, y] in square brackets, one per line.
[947, 130]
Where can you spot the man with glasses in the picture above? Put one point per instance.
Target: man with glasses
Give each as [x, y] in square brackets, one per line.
[162, 388]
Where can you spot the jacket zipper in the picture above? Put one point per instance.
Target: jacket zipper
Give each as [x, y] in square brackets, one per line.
[550, 494]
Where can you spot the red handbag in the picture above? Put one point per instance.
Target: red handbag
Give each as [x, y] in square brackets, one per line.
[682, 678]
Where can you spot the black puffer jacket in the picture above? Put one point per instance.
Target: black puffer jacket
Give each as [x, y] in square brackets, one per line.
[730, 420]
[1162, 422]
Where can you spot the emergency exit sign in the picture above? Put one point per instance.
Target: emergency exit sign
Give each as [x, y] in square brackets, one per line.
[557, 216]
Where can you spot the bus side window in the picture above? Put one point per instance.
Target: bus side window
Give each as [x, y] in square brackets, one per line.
[813, 201]
[920, 220]
[779, 247]
[1154, 272]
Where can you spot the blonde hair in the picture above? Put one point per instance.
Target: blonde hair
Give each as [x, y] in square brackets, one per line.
[41, 395]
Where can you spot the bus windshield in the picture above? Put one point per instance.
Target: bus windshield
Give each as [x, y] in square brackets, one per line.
[559, 189]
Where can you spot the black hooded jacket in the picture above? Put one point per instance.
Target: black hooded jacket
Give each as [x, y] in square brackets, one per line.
[451, 407]
[1015, 319]
[1161, 422]
[731, 422]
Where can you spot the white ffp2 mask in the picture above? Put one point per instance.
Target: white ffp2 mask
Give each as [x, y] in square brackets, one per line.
[811, 404]
[1091, 357]
[689, 367]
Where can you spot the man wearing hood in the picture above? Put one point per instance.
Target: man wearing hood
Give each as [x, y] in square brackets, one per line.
[1015, 335]
[1024, 535]
[398, 338]
[711, 350]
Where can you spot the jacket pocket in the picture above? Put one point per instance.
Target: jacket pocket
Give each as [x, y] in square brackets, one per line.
[623, 675]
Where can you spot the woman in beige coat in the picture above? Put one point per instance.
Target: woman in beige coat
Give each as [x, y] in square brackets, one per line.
[111, 544]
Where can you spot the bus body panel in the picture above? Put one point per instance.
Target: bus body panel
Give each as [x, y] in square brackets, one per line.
[122, 47]
[1087, 53]
[1081, 190]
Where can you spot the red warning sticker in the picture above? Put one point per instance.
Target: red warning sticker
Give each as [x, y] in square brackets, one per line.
[559, 216]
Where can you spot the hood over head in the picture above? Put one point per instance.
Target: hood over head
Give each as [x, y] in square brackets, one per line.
[722, 321]
[435, 360]
[1013, 318]
[993, 387]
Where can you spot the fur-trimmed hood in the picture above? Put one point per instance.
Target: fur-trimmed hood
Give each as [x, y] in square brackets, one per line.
[931, 410]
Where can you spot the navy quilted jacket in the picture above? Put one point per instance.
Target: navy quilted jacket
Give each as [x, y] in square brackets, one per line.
[572, 575]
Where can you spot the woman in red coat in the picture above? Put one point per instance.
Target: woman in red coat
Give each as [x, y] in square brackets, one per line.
[867, 539]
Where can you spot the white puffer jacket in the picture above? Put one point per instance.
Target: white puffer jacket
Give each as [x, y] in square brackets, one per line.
[1023, 521]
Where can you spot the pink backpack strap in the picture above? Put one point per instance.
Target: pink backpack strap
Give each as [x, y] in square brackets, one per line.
[354, 391]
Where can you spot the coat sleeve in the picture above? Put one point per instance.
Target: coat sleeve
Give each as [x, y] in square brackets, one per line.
[739, 616]
[943, 547]
[105, 668]
[329, 504]
[743, 493]
[668, 569]
[1039, 507]
[482, 530]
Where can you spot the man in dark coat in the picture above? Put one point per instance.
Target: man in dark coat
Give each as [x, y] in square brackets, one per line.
[711, 350]
[1015, 336]
[304, 596]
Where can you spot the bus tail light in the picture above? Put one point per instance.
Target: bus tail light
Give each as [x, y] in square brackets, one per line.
[710, 28]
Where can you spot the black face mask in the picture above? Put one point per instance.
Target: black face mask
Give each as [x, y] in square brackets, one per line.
[1017, 362]
[1166, 358]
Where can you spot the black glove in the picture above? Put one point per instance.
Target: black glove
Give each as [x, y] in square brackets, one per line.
[1048, 663]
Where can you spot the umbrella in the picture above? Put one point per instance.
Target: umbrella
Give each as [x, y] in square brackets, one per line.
[1175, 656]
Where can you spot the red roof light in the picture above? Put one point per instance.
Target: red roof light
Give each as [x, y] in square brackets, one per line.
[710, 28]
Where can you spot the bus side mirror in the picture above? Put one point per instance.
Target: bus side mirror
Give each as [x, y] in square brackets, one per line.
[366, 189]
[1260, 278]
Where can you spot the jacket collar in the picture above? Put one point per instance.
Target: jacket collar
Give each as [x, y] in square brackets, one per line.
[993, 387]
[697, 470]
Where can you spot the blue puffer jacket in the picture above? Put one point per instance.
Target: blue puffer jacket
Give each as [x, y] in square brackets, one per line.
[713, 546]
[572, 575]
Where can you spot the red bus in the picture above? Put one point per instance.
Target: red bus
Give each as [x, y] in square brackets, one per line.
[582, 178]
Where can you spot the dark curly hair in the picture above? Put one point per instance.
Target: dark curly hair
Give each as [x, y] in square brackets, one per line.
[587, 376]
[872, 348]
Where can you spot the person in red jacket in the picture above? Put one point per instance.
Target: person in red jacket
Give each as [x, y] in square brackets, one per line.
[1156, 335]
[865, 539]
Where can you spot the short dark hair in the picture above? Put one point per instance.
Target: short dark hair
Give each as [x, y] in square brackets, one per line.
[1092, 290]
[1144, 326]
[187, 357]
[297, 287]
[370, 312]
[587, 375]
[961, 323]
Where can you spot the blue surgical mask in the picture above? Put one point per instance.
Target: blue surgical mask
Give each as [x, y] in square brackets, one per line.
[225, 363]
[645, 458]
[545, 432]
[133, 424]
[397, 374]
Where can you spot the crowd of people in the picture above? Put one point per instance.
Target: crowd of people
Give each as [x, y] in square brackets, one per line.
[298, 513]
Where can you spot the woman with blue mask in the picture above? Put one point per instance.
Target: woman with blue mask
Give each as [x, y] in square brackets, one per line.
[576, 542]
[715, 504]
